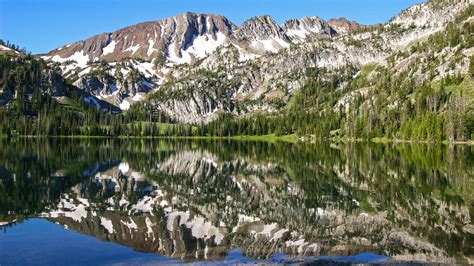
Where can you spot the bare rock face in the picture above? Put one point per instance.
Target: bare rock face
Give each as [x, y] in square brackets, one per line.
[342, 25]
[260, 28]
[433, 14]
[55, 81]
[300, 29]
[120, 90]
[168, 37]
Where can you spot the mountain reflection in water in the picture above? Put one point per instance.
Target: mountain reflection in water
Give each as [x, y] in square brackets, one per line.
[202, 200]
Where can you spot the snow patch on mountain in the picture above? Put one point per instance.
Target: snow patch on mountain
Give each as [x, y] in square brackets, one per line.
[125, 105]
[80, 57]
[137, 98]
[272, 45]
[146, 68]
[4, 48]
[144, 205]
[124, 167]
[133, 48]
[175, 58]
[131, 225]
[110, 48]
[301, 32]
[206, 44]
[149, 228]
[151, 45]
[200, 47]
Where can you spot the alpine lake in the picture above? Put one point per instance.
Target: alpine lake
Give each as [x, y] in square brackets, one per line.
[165, 201]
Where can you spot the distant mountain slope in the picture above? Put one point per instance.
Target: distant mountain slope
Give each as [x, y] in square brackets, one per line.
[29, 86]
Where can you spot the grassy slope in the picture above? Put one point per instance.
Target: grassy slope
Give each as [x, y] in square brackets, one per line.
[367, 69]
[269, 138]
[70, 104]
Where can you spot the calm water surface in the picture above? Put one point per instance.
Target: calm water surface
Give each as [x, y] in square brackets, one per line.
[224, 202]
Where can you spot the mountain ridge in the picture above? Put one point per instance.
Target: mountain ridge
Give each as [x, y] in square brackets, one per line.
[254, 38]
[272, 71]
[102, 46]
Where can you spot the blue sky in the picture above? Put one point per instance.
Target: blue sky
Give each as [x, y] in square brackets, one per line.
[42, 25]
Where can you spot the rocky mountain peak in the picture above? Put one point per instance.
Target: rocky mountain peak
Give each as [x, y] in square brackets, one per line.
[307, 26]
[182, 39]
[260, 28]
[434, 13]
[193, 35]
[342, 25]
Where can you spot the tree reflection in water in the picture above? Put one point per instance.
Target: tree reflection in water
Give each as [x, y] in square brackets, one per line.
[198, 199]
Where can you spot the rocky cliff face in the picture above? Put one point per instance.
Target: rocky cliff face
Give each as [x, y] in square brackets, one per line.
[122, 85]
[300, 29]
[342, 25]
[261, 34]
[200, 65]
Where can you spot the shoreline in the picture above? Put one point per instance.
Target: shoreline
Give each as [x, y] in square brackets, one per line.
[292, 138]
[384, 140]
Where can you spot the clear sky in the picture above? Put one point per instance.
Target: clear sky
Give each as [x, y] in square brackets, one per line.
[42, 25]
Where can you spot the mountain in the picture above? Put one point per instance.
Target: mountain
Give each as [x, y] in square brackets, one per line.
[29, 86]
[196, 69]
[262, 34]
[188, 37]
[9, 49]
[142, 59]
[308, 26]
[136, 60]
[245, 81]
[342, 25]
[182, 39]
